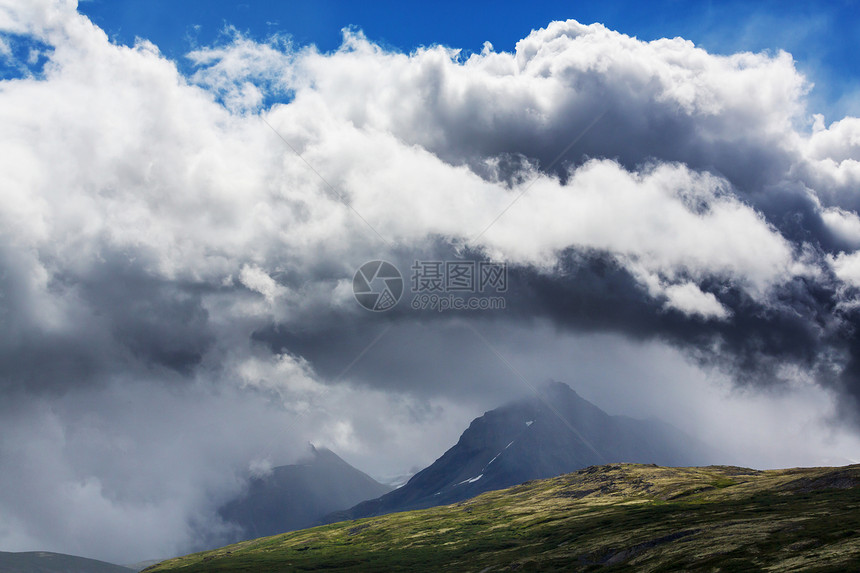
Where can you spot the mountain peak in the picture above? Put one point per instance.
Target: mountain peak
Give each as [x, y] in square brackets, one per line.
[556, 386]
[553, 432]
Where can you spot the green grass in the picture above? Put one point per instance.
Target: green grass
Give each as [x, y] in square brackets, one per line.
[624, 517]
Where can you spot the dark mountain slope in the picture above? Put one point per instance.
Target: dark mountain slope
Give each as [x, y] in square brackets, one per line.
[46, 562]
[297, 496]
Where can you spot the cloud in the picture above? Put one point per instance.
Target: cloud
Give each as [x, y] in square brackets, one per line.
[845, 225]
[688, 298]
[175, 282]
[671, 100]
[832, 163]
[847, 268]
[242, 72]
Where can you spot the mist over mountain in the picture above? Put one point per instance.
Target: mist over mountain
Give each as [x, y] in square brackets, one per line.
[296, 496]
[553, 433]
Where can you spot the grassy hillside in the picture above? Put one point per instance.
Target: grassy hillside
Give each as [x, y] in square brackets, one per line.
[617, 517]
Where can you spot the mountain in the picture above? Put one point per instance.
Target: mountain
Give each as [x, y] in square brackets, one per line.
[622, 517]
[299, 495]
[553, 433]
[45, 562]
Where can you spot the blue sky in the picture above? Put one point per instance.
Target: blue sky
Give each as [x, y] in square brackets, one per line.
[823, 37]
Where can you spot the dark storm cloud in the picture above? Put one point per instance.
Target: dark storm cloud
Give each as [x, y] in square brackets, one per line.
[115, 318]
[762, 345]
[161, 324]
[32, 357]
[800, 328]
